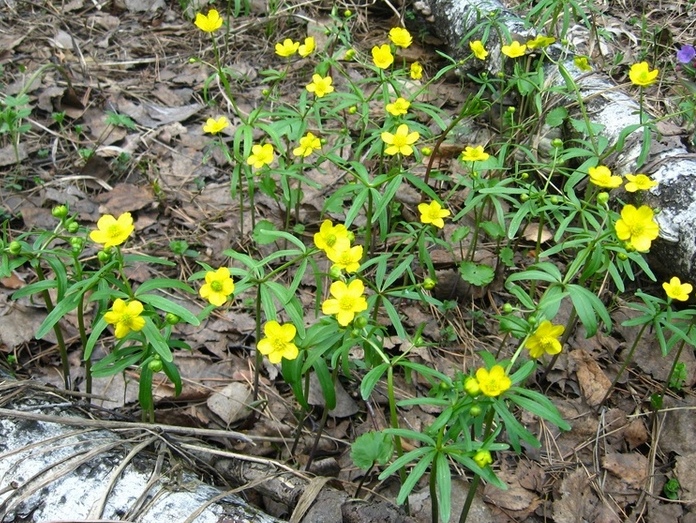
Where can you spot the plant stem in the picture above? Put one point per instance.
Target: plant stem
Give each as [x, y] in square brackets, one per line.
[394, 421]
[259, 357]
[67, 382]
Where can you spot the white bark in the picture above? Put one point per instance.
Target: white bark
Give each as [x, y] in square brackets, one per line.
[62, 472]
[668, 162]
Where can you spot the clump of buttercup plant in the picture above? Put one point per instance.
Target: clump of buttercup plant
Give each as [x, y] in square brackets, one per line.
[371, 252]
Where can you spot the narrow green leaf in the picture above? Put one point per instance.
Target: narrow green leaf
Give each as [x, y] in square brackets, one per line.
[166, 305]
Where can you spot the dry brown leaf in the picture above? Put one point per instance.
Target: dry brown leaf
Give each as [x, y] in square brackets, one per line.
[631, 468]
[594, 384]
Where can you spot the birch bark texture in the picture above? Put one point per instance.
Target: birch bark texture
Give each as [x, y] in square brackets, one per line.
[668, 161]
[65, 472]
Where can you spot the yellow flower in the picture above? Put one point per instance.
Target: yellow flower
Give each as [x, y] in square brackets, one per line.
[344, 256]
[399, 107]
[582, 63]
[400, 142]
[261, 155]
[210, 22]
[307, 47]
[540, 42]
[477, 48]
[218, 286]
[125, 316]
[514, 50]
[474, 154]
[320, 86]
[637, 227]
[483, 458]
[308, 144]
[494, 382]
[278, 343]
[416, 71]
[347, 301]
[545, 340]
[433, 213]
[639, 182]
[112, 231]
[601, 176]
[214, 126]
[677, 290]
[329, 234]
[641, 75]
[382, 56]
[400, 37]
[286, 48]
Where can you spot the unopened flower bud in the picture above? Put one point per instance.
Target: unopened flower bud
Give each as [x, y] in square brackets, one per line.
[352, 109]
[155, 365]
[532, 319]
[510, 109]
[265, 92]
[555, 199]
[429, 284]
[475, 410]
[557, 143]
[426, 151]
[15, 247]
[76, 244]
[171, 318]
[350, 54]
[483, 458]
[524, 176]
[524, 197]
[72, 226]
[360, 322]
[103, 256]
[335, 273]
[471, 386]
[347, 13]
[603, 198]
[622, 256]
[508, 308]
[60, 211]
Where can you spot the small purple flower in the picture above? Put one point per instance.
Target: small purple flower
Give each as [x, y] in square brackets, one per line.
[686, 54]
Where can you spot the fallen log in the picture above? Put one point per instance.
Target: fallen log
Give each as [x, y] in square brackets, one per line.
[668, 161]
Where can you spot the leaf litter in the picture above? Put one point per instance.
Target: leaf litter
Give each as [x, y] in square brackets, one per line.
[598, 471]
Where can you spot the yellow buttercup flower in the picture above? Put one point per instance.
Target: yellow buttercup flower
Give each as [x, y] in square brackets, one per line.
[545, 340]
[474, 154]
[382, 56]
[637, 227]
[279, 342]
[307, 47]
[400, 37]
[433, 213]
[346, 302]
[582, 63]
[639, 182]
[416, 71]
[601, 177]
[514, 50]
[401, 141]
[286, 48]
[329, 234]
[483, 458]
[540, 41]
[214, 126]
[261, 155]
[478, 49]
[113, 231]
[320, 85]
[210, 22]
[641, 75]
[494, 382]
[218, 286]
[399, 107]
[677, 290]
[344, 256]
[308, 144]
[125, 316]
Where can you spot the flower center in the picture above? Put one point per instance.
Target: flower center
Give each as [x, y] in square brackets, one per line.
[636, 229]
[399, 140]
[114, 231]
[346, 303]
[126, 319]
[331, 240]
[278, 345]
[216, 286]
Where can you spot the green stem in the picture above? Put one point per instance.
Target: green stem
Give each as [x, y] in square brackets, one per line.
[57, 331]
[259, 357]
[394, 422]
[473, 486]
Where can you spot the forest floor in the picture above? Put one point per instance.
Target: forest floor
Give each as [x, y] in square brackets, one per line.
[613, 463]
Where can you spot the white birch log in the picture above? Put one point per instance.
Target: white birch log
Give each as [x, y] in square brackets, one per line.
[668, 162]
[66, 472]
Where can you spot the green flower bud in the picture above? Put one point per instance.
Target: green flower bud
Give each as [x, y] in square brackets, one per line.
[335, 273]
[352, 109]
[483, 458]
[72, 226]
[266, 92]
[524, 176]
[350, 54]
[622, 256]
[603, 198]
[171, 318]
[429, 284]
[360, 322]
[557, 143]
[347, 13]
[471, 386]
[508, 308]
[555, 199]
[426, 151]
[475, 410]
[155, 365]
[511, 109]
[60, 211]
[76, 244]
[103, 256]
[524, 197]
[15, 247]
[351, 236]
[532, 320]
[500, 74]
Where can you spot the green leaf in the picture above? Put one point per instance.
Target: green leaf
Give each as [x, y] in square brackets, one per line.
[443, 486]
[556, 116]
[326, 383]
[538, 404]
[163, 283]
[292, 374]
[172, 372]
[156, 340]
[588, 306]
[476, 274]
[166, 305]
[62, 308]
[370, 448]
[371, 379]
[145, 389]
[97, 329]
[414, 475]
[34, 288]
